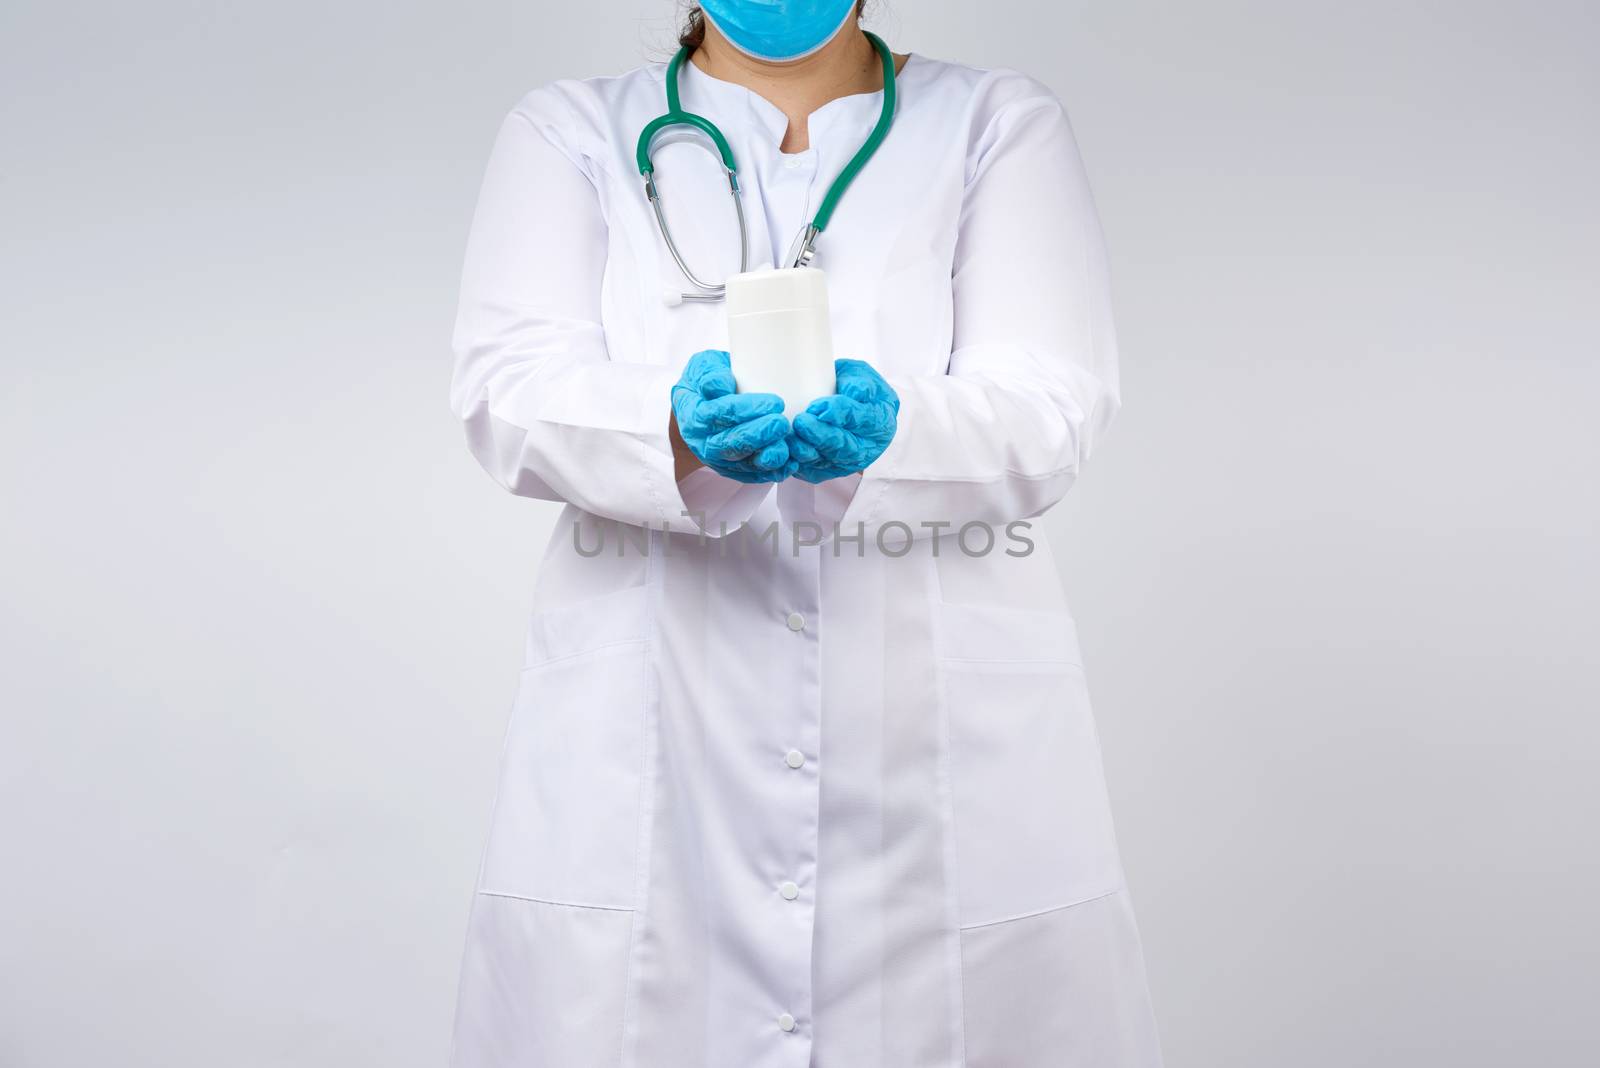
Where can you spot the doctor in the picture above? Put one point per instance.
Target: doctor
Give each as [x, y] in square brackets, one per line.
[802, 769]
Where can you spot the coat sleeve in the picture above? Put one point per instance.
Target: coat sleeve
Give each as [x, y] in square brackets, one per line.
[549, 411]
[1031, 383]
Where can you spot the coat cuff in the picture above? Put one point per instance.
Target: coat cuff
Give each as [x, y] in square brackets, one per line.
[704, 503]
[855, 502]
[720, 505]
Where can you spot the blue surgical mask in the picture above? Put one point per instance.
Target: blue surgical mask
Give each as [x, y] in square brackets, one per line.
[778, 29]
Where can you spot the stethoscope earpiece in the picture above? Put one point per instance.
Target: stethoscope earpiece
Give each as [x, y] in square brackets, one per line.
[803, 248]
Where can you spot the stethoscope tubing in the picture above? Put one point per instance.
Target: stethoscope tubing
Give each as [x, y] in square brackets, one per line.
[677, 116]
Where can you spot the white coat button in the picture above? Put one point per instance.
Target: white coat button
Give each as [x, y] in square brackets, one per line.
[792, 162]
[796, 621]
[786, 1022]
[794, 758]
[789, 891]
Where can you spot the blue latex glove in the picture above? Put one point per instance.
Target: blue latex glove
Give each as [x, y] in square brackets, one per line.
[742, 436]
[842, 434]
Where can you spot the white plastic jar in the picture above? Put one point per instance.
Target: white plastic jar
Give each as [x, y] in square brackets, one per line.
[779, 338]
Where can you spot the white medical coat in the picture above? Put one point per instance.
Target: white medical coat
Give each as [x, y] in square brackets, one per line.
[770, 801]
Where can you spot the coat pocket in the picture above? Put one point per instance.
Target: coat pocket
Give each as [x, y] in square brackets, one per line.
[567, 810]
[1032, 820]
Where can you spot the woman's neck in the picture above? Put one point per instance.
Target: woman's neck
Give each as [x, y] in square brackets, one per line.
[846, 65]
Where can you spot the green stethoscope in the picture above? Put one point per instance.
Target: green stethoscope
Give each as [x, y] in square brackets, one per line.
[676, 116]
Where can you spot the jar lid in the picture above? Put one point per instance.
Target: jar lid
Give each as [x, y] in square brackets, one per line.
[777, 289]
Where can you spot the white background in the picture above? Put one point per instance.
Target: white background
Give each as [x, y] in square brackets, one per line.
[1335, 569]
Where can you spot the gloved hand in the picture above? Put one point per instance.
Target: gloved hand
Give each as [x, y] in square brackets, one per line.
[742, 436]
[842, 434]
